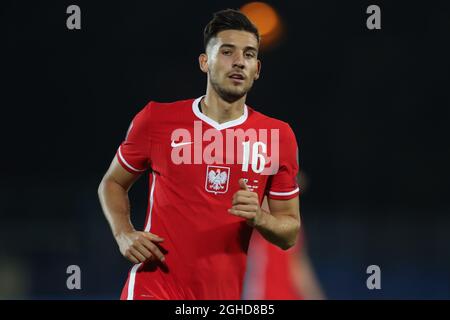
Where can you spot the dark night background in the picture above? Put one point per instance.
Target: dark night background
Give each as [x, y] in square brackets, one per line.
[370, 110]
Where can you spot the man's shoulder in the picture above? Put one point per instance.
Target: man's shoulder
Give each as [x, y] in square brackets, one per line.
[169, 106]
[167, 111]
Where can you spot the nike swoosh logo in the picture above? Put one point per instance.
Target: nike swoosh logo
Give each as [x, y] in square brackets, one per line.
[174, 144]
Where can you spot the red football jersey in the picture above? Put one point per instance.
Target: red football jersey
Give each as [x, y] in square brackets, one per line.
[194, 166]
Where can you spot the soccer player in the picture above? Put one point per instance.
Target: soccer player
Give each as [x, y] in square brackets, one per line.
[211, 160]
[275, 274]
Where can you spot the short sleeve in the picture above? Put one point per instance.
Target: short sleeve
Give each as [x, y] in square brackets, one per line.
[283, 185]
[133, 153]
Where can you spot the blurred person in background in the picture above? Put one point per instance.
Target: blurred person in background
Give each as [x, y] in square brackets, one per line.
[275, 274]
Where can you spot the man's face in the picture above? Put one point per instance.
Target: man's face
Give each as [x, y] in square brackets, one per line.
[232, 63]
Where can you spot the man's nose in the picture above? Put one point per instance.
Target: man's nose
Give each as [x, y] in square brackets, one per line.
[239, 61]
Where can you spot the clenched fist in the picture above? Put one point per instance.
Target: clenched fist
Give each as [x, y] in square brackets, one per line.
[245, 204]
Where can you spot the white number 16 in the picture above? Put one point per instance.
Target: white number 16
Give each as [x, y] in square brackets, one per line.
[257, 166]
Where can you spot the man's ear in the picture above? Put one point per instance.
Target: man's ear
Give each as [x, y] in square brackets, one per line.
[258, 70]
[203, 62]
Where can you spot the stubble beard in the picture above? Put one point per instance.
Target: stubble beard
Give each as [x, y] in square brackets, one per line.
[229, 95]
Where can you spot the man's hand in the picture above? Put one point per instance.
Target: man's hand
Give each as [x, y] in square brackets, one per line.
[246, 205]
[139, 246]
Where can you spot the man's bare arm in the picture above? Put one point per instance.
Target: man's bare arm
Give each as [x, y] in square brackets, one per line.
[134, 245]
[113, 195]
[281, 225]
[305, 278]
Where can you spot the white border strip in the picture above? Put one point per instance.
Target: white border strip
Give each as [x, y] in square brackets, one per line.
[284, 193]
[149, 221]
[131, 282]
[127, 164]
[147, 229]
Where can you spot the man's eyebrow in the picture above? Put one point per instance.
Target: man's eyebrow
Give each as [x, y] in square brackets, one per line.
[229, 45]
[251, 48]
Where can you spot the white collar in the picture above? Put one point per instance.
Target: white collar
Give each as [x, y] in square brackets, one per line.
[213, 123]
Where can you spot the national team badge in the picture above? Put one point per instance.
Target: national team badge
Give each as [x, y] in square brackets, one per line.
[217, 179]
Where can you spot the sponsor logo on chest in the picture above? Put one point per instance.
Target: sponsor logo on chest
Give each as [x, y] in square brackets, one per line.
[248, 148]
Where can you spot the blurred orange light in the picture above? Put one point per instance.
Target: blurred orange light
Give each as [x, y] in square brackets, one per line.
[266, 19]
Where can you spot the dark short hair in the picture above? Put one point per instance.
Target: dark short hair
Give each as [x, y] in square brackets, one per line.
[228, 19]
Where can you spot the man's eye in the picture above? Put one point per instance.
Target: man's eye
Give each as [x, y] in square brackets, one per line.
[250, 55]
[226, 52]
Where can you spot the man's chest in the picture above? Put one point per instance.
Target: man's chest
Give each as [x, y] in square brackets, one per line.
[196, 154]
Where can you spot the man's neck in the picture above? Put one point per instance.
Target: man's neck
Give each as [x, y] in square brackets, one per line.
[220, 110]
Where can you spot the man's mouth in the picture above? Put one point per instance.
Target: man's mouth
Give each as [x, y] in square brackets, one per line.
[237, 77]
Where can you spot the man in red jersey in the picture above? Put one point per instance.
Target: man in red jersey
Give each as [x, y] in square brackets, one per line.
[211, 161]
